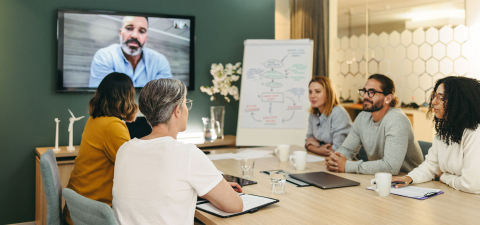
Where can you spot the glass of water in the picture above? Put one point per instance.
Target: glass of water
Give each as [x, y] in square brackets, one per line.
[247, 166]
[277, 181]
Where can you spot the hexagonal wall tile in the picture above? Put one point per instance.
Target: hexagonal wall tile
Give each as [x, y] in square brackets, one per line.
[340, 56]
[419, 36]
[439, 51]
[474, 32]
[336, 43]
[431, 35]
[406, 67]
[460, 66]
[425, 51]
[412, 81]
[400, 82]
[436, 77]
[372, 67]
[361, 41]
[460, 33]
[394, 38]
[428, 95]
[419, 66]
[362, 67]
[344, 43]
[359, 52]
[412, 52]
[349, 80]
[446, 66]
[358, 82]
[425, 82]
[395, 67]
[349, 55]
[354, 68]
[389, 53]
[353, 42]
[383, 67]
[406, 37]
[337, 68]
[453, 50]
[345, 68]
[372, 40]
[400, 52]
[474, 66]
[432, 66]
[407, 96]
[469, 49]
[378, 52]
[383, 39]
[419, 96]
[446, 34]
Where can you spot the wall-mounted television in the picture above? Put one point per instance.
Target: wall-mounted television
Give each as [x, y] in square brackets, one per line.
[92, 44]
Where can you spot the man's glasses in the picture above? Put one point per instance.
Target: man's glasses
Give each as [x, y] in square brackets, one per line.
[189, 104]
[371, 92]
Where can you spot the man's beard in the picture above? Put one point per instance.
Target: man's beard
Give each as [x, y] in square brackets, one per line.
[374, 106]
[132, 51]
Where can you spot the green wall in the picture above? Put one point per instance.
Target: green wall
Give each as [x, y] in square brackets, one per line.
[28, 99]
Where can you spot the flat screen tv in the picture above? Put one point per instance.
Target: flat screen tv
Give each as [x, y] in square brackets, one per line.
[92, 44]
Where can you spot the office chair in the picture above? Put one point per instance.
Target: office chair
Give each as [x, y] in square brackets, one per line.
[52, 188]
[85, 211]
[425, 146]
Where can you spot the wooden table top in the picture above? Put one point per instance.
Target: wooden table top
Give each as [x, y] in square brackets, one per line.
[350, 205]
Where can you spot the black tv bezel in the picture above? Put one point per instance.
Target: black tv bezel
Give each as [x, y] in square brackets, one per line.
[60, 44]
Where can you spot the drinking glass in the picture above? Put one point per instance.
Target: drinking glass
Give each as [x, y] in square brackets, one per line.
[277, 182]
[247, 166]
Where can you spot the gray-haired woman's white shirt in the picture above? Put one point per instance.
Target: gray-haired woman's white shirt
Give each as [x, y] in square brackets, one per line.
[331, 129]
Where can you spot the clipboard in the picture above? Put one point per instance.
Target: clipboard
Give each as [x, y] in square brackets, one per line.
[248, 201]
[414, 192]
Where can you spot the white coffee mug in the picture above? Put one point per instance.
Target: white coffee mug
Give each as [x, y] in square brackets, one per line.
[282, 152]
[300, 158]
[382, 184]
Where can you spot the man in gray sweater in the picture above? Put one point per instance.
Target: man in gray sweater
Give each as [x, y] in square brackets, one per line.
[384, 131]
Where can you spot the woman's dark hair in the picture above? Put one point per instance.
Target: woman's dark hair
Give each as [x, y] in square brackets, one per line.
[115, 96]
[387, 86]
[462, 108]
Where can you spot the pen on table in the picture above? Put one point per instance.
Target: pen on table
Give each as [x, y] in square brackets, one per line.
[394, 183]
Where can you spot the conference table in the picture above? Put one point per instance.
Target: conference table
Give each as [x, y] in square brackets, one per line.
[349, 205]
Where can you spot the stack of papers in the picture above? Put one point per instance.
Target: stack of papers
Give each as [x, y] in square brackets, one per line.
[248, 153]
[413, 192]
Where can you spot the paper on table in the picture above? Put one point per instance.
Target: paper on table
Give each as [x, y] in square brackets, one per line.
[411, 191]
[220, 156]
[313, 158]
[249, 202]
[253, 154]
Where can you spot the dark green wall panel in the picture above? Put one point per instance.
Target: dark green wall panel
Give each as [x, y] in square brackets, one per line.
[28, 99]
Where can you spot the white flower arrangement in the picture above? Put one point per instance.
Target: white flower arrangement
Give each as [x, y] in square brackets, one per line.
[222, 82]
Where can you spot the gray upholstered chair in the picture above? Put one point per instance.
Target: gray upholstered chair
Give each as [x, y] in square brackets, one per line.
[425, 146]
[52, 188]
[85, 211]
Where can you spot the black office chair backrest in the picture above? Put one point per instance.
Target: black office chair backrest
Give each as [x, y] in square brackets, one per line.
[425, 146]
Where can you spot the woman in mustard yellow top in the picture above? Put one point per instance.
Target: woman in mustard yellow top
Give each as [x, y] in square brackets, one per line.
[103, 135]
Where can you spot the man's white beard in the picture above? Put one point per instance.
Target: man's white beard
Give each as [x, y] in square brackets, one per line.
[128, 50]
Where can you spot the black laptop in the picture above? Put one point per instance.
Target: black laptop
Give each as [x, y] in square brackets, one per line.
[324, 180]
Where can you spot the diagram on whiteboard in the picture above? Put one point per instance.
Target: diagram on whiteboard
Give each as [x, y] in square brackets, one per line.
[275, 88]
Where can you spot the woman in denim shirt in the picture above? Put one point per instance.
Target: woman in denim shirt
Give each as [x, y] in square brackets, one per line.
[328, 122]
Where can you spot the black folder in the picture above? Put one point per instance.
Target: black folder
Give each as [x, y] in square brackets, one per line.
[206, 206]
[324, 180]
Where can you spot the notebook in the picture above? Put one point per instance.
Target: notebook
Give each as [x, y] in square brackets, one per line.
[414, 192]
[251, 204]
[324, 180]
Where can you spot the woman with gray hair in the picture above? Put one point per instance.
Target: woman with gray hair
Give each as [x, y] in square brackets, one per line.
[157, 178]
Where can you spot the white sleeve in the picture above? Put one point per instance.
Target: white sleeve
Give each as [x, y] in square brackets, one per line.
[427, 170]
[469, 181]
[203, 175]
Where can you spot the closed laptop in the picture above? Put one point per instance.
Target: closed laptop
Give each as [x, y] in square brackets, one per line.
[324, 180]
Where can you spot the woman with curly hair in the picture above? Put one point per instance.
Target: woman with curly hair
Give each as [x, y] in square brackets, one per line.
[454, 157]
[104, 133]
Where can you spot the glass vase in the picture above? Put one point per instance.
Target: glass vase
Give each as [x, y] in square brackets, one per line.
[217, 117]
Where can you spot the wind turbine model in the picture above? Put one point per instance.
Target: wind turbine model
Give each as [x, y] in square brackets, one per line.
[56, 149]
[70, 130]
